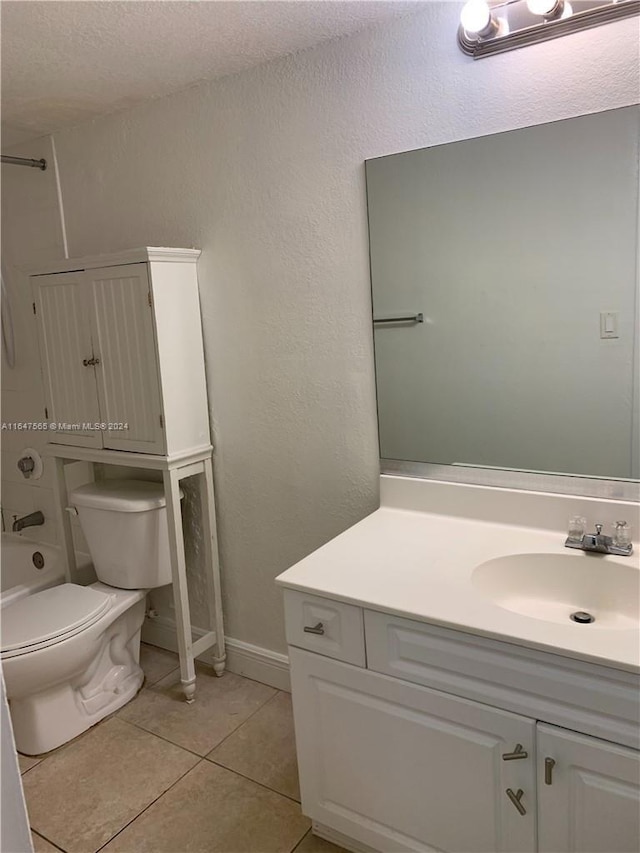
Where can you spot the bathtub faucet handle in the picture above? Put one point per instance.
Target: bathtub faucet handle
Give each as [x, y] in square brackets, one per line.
[26, 465]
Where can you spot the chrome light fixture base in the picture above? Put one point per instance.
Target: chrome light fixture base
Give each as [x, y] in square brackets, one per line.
[517, 26]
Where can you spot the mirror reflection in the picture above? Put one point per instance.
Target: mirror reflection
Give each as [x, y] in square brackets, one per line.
[504, 278]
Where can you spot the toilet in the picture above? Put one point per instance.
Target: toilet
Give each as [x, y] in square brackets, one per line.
[70, 654]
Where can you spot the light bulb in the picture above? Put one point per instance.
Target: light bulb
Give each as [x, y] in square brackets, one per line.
[541, 7]
[475, 17]
[548, 8]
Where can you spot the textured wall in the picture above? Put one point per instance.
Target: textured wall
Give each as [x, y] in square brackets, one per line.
[264, 171]
[31, 234]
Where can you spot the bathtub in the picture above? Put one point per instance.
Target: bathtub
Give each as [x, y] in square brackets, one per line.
[27, 567]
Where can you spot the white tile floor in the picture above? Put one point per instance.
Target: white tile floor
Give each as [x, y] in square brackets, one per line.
[161, 776]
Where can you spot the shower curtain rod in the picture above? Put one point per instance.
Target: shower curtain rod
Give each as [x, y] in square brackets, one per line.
[24, 161]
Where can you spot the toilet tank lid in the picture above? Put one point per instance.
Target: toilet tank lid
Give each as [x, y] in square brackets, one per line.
[120, 495]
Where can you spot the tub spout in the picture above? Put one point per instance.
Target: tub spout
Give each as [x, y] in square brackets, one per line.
[33, 520]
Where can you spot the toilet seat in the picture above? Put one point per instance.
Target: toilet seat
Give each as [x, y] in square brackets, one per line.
[50, 616]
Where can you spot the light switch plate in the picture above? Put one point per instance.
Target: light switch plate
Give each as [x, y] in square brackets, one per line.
[609, 324]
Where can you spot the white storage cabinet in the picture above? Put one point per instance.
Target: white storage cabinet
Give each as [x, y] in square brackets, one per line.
[122, 362]
[121, 346]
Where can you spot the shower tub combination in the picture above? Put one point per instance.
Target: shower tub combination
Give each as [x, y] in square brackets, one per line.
[27, 567]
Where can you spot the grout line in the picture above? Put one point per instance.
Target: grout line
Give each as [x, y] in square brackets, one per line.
[161, 737]
[186, 748]
[148, 683]
[23, 773]
[48, 840]
[237, 728]
[308, 832]
[212, 760]
[255, 781]
[244, 722]
[172, 785]
[157, 681]
[234, 772]
[295, 846]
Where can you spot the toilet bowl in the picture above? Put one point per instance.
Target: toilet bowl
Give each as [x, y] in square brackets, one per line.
[70, 654]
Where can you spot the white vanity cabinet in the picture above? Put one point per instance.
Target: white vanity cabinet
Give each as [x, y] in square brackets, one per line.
[121, 346]
[441, 741]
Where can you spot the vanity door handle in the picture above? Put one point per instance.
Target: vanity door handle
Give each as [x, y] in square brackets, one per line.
[316, 629]
[549, 764]
[90, 362]
[518, 752]
[515, 799]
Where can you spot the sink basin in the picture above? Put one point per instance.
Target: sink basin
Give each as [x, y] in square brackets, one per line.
[554, 586]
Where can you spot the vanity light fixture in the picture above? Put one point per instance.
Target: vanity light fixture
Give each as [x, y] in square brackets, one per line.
[488, 28]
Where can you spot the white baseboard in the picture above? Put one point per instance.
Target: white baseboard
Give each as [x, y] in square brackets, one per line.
[260, 664]
[253, 662]
[339, 839]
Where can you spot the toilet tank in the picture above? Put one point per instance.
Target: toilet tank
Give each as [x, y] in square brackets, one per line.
[125, 525]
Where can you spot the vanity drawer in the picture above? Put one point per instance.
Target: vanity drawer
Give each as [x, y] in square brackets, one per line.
[328, 627]
[577, 695]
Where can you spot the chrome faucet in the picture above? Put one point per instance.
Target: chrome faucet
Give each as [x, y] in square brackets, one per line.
[619, 543]
[32, 520]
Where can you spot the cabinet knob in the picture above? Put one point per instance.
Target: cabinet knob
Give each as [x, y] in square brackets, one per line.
[90, 362]
[515, 799]
[316, 629]
[518, 752]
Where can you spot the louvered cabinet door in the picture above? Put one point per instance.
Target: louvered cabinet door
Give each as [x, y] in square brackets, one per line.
[66, 354]
[127, 373]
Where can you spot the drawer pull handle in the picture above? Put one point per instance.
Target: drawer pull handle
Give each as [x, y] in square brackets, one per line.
[316, 629]
[515, 799]
[90, 362]
[518, 752]
[549, 764]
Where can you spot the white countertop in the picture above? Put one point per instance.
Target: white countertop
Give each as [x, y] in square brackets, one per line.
[418, 564]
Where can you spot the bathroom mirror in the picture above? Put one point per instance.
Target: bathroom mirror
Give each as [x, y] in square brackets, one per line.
[504, 279]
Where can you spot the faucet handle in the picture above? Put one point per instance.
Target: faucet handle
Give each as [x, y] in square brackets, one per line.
[621, 534]
[26, 465]
[577, 527]
[598, 529]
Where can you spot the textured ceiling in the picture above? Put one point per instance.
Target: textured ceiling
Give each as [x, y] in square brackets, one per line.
[66, 62]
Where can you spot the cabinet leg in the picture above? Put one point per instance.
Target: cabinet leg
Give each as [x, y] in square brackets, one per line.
[179, 578]
[64, 521]
[219, 665]
[212, 563]
[189, 689]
